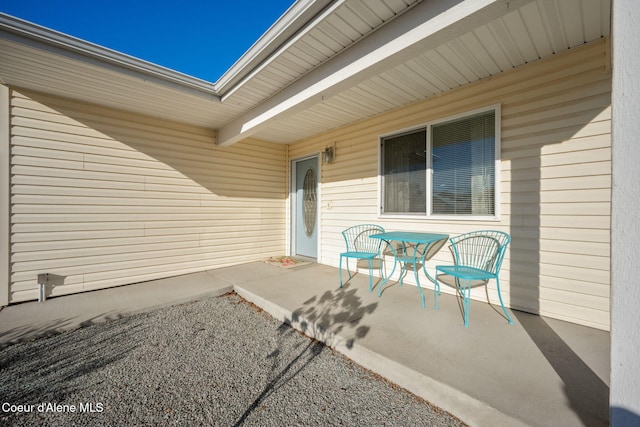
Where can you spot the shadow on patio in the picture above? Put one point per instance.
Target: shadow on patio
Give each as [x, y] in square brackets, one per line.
[328, 318]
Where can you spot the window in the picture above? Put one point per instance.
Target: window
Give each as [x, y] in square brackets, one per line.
[446, 168]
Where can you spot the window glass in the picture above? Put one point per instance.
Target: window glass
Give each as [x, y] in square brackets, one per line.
[405, 173]
[464, 166]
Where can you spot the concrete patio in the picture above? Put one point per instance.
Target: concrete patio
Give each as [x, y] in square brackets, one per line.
[538, 372]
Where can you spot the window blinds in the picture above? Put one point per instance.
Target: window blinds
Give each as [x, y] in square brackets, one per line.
[463, 164]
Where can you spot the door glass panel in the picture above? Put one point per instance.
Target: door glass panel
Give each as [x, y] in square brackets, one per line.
[309, 202]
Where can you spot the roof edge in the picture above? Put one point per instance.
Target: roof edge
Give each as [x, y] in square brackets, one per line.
[290, 23]
[36, 33]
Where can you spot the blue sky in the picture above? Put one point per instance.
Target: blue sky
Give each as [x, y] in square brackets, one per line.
[202, 38]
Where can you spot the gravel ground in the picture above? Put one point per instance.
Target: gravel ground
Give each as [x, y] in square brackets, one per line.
[221, 361]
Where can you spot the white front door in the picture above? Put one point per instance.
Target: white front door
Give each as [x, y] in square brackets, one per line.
[305, 207]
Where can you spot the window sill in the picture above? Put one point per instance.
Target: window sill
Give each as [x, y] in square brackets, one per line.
[485, 218]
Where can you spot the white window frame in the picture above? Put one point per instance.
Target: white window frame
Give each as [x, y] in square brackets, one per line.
[427, 128]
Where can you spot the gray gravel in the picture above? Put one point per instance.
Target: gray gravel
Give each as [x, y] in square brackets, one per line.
[221, 361]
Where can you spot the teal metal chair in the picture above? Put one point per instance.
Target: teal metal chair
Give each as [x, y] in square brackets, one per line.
[478, 257]
[363, 248]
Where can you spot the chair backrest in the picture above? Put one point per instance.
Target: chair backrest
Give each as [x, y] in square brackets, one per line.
[357, 238]
[483, 249]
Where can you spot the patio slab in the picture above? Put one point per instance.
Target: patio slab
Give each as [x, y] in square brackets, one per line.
[537, 372]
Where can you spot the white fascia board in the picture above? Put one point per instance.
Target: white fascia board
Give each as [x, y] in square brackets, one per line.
[426, 25]
[32, 34]
[286, 27]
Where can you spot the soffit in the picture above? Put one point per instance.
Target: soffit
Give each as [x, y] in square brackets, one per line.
[536, 30]
[340, 25]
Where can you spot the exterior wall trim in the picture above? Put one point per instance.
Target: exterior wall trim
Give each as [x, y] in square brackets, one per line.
[5, 174]
[625, 229]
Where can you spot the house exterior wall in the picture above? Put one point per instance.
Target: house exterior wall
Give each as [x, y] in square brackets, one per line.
[101, 198]
[555, 188]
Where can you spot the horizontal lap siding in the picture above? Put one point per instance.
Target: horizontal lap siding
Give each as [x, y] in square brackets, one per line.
[555, 181]
[101, 198]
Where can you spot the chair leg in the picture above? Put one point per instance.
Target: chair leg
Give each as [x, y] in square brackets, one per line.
[466, 303]
[370, 264]
[340, 269]
[385, 276]
[500, 298]
[436, 290]
[415, 273]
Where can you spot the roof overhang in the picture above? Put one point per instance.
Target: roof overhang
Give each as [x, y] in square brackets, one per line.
[429, 23]
[40, 59]
[433, 47]
[322, 65]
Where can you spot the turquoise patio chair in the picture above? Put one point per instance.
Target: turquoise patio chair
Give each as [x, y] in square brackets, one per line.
[478, 257]
[363, 248]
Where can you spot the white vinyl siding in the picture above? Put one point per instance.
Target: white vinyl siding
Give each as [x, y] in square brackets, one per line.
[555, 181]
[101, 198]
